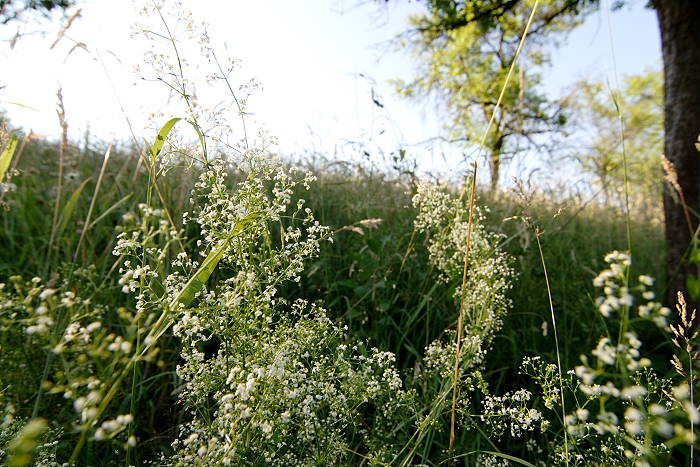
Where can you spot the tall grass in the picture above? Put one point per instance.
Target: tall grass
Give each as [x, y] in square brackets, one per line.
[379, 281]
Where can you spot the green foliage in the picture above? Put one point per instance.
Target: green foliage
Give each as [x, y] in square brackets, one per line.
[640, 104]
[6, 155]
[464, 64]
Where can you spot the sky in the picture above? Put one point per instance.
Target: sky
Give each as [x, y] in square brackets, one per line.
[319, 63]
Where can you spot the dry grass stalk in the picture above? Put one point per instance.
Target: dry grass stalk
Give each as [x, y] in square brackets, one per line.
[671, 176]
[685, 331]
[357, 226]
[684, 336]
[86, 224]
[460, 321]
[61, 111]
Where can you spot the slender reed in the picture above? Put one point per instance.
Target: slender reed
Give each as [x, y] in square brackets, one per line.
[86, 224]
[621, 121]
[556, 344]
[460, 321]
[59, 180]
[505, 84]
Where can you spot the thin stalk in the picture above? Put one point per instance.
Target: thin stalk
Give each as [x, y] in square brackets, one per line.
[692, 404]
[183, 91]
[624, 316]
[505, 84]
[618, 109]
[556, 344]
[59, 182]
[86, 224]
[460, 321]
[233, 94]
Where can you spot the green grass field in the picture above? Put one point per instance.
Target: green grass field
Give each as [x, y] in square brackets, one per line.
[147, 383]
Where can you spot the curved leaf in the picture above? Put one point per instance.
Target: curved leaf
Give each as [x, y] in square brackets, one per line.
[67, 211]
[160, 139]
[197, 281]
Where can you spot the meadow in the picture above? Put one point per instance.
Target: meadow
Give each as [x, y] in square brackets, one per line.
[200, 304]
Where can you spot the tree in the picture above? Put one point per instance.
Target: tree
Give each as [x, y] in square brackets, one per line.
[465, 64]
[679, 24]
[11, 10]
[600, 152]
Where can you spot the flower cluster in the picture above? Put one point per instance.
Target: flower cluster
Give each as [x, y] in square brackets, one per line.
[624, 413]
[510, 414]
[617, 295]
[444, 221]
[283, 376]
[67, 340]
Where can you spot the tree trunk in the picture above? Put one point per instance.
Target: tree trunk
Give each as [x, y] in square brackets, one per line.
[679, 23]
[495, 168]
[495, 163]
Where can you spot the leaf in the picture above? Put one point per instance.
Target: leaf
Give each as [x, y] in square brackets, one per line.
[693, 285]
[163, 134]
[21, 448]
[6, 155]
[694, 254]
[67, 211]
[108, 210]
[160, 139]
[197, 281]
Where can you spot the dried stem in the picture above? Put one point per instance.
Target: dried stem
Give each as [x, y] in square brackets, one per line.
[460, 321]
[61, 163]
[671, 177]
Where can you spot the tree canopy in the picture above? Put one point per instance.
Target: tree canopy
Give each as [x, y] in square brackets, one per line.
[599, 151]
[465, 52]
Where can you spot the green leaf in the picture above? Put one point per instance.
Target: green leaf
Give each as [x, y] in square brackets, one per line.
[197, 281]
[108, 210]
[6, 155]
[163, 134]
[160, 139]
[695, 254]
[67, 211]
[21, 449]
[693, 285]
[201, 139]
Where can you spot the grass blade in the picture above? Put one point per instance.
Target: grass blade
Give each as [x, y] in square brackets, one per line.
[157, 146]
[68, 209]
[184, 297]
[108, 210]
[92, 202]
[460, 319]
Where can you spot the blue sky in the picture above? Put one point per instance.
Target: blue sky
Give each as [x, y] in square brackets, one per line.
[318, 62]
